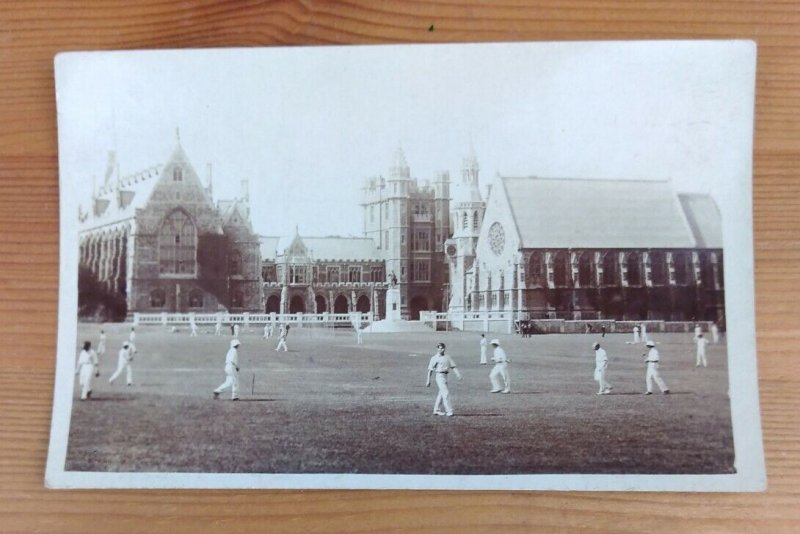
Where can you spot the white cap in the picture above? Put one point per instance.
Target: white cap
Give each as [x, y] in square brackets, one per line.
[651, 343]
[235, 343]
[495, 342]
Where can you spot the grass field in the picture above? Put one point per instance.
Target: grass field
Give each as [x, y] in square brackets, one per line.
[331, 406]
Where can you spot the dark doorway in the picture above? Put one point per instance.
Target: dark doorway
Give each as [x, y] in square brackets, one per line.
[340, 304]
[417, 304]
[273, 304]
[297, 305]
[362, 304]
[322, 306]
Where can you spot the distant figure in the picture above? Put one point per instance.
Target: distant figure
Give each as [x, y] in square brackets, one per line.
[644, 333]
[697, 331]
[701, 351]
[267, 330]
[603, 330]
[652, 359]
[218, 326]
[101, 346]
[484, 343]
[715, 332]
[600, 366]
[86, 370]
[357, 328]
[636, 333]
[193, 326]
[132, 336]
[231, 372]
[441, 364]
[588, 328]
[235, 330]
[393, 279]
[282, 334]
[124, 364]
[500, 369]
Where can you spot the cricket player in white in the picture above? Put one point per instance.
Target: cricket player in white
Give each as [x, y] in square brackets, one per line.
[236, 330]
[267, 331]
[193, 326]
[697, 331]
[636, 333]
[124, 363]
[715, 332]
[231, 372]
[644, 333]
[483, 349]
[218, 326]
[441, 364]
[86, 369]
[284, 331]
[500, 369]
[701, 351]
[101, 347]
[652, 358]
[600, 366]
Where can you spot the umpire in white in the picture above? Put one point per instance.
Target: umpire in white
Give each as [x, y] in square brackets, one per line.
[86, 369]
[231, 372]
[652, 359]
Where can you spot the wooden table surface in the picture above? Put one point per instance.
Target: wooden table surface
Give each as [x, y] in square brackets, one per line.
[32, 32]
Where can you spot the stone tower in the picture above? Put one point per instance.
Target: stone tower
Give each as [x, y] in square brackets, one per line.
[467, 213]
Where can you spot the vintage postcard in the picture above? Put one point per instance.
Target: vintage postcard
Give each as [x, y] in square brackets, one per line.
[474, 266]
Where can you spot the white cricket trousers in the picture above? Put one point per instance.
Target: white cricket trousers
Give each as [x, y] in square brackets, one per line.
[701, 357]
[444, 394]
[500, 370]
[122, 365]
[85, 379]
[483, 355]
[282, 343]
[231, 381]
[600, 376]
[652, 374]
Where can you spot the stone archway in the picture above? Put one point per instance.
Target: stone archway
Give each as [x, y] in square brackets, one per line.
[297, 304]
[273, 304]
[340, 305]
[363, 304]
[322, 305]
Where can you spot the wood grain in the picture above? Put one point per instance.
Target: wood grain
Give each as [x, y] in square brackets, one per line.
[32, 32]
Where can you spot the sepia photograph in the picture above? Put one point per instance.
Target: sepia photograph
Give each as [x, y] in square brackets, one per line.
[476, 266]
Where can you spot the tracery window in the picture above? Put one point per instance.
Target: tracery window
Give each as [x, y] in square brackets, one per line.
[177, 244]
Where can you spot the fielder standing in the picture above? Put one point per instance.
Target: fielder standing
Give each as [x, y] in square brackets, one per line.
[652, 358]
[101, 347]
[86, 369]
[282, 334]
[441, 364]
[483, 349]
[636, 333]
[701, 351]
[231, 372]
[715, 332]
[124, 363]
[500, 369]
[193, 326]
[600, 366]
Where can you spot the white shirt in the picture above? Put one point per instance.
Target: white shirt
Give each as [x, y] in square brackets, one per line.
[701, 344]
[653, 356]
[125, 354]
[132, 336]
[441, 363]
[600, 358]
[499, 355]
[232, 357]
[86, 358]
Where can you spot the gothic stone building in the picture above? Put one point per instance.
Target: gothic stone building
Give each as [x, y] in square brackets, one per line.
[322, 274]
[595, 249]
[157, 238]
[409, 222]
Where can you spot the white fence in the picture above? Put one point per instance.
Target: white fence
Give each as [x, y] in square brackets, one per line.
[494, 321]
[247, 319]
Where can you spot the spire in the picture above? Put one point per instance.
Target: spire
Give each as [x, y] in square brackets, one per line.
[469, 175]
[399, 168]
[177, 135]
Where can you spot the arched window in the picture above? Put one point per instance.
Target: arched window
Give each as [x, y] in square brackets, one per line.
[465, 221]
[475, 221]
[585, 269]
[177, 244]
[658, 268]
[634, 269]
[609, 269]
[157, 298]
[561, 275]
[536, 274]
[195, 298]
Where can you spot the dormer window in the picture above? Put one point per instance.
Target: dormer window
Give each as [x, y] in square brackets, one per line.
[177, 174]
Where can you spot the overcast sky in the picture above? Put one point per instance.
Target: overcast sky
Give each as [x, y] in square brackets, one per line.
[307, 125]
